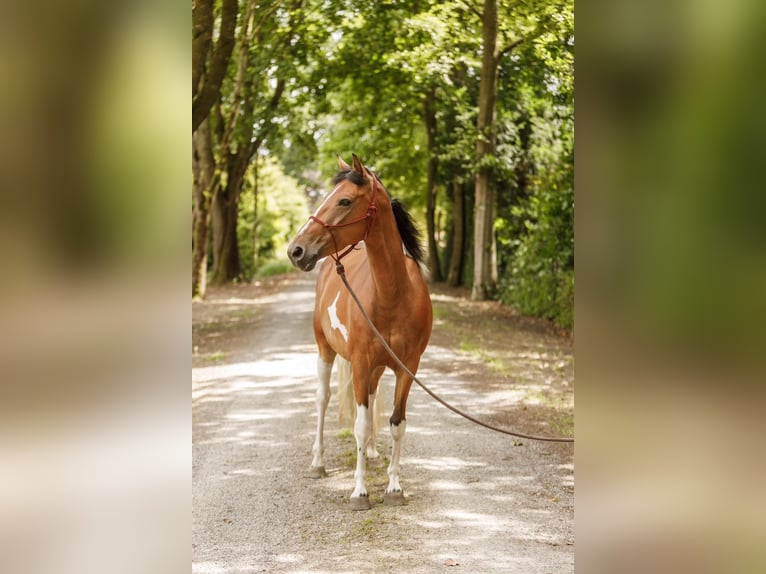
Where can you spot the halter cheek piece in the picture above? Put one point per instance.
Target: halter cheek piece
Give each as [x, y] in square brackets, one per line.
[368, 218]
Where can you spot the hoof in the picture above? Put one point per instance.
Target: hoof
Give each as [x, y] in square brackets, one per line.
[317, 472]
[360, 502]
[393, 498]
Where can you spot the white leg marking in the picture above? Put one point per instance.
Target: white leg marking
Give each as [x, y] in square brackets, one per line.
[335, 323]
[372, 448]
[362, 434]
[324, 370]
[397, 434]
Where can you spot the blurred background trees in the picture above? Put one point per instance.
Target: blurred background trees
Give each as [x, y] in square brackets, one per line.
[464, 108]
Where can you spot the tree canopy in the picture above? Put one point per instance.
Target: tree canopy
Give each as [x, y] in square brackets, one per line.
[465, 109]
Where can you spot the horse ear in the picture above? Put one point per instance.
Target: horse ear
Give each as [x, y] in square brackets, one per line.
[342, 164]
[358, 167]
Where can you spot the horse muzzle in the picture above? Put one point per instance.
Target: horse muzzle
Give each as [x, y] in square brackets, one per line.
[302, 257]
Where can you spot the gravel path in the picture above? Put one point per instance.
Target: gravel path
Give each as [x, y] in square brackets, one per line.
[476, 502]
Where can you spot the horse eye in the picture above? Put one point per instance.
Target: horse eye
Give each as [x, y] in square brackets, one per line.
[345, 202]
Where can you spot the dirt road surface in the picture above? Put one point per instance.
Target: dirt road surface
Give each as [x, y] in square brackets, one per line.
[477, 501]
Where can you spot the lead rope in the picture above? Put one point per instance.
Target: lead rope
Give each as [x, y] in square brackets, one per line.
[342, 272]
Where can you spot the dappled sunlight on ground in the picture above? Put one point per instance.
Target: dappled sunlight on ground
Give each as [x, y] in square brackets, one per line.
[277, 363]
[475, 499]
[479, 522]
[293, 302]
[443, 463]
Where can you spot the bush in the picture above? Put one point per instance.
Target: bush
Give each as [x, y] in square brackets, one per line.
[538, 246]
[540, 281]
[274, 267]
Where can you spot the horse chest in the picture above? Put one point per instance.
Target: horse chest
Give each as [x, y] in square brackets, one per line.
[342, 322]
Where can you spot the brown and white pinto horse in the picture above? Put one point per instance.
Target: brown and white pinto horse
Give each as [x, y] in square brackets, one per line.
[385, 272]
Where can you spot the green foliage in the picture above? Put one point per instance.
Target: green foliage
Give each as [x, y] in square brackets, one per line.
[534, 166]
[539, 236]
[355, 78]
[281, 211]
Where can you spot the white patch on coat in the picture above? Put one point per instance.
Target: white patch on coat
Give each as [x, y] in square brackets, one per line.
[335, 323]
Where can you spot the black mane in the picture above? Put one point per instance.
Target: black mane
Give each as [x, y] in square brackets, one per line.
[349, 174]
[408, 231]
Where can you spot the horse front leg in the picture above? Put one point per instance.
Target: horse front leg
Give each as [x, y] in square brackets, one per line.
[394, 495]
[324, 371]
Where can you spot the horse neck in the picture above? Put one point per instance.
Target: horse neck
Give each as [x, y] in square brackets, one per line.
[386, 256]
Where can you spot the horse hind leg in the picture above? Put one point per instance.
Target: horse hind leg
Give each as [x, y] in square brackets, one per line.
[372, 448]
[359, 498]
[346, 402]
[347, 405]
[324, 371]
[375, 408]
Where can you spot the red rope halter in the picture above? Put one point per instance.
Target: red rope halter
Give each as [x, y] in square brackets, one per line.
[369, 218]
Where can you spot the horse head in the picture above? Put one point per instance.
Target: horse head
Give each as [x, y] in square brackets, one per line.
[342, 220]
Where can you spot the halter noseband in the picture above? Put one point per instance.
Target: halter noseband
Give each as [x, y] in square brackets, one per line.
[369, 218]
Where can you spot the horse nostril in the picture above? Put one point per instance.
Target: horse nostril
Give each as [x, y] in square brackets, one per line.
[297, 253]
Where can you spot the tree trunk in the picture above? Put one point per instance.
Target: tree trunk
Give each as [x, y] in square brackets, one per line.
[203, 167]
[256, 244]
[207, 89]
[430, 121]
[225, 214]
[226, 205]
[202, 37]
[485, 149]
[493, 274]
[225, 248]
[455, 274]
